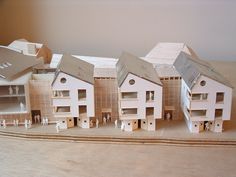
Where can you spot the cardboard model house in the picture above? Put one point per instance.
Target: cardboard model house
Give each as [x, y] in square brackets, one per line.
[206, 96]
[140, 93]
[14, 84]
[73, 92]
[162, 56]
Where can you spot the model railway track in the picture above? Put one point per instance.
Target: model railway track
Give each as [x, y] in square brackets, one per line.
[120, 140]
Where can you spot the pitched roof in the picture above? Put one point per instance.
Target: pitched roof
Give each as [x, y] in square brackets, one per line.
[191, 69]
[21, 80]
[32, 49]
[76, 68]
[13, 64]
[166, 53]
[129, 63]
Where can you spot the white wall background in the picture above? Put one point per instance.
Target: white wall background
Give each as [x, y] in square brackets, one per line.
[107, 27]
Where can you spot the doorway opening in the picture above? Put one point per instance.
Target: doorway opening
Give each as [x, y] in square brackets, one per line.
[139, 123]
[75, 121]
[106, 116]
[36, 116]
[168, 115]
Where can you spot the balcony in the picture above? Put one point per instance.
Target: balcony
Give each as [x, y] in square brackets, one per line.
[62, 111]
[196, 115]
[12, 105]
[129, 113]
[129, 96]
[61, 94]
[196, 101]
[12, 99]
[12, 91]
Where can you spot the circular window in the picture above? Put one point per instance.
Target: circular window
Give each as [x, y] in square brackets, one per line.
[203, 83]
[63, 80]
[131, 81]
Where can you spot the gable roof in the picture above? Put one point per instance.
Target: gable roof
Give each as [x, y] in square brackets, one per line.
[191, 69]
[76, 68]
[129, 63]
[166, 52]
[13, 64]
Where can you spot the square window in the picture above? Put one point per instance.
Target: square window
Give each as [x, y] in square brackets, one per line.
[219, 97]
[82, 94]
[149, 95]
[218, 113]
[129, 95]
[198, 113]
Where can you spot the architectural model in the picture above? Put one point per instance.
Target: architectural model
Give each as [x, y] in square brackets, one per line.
[169, 83]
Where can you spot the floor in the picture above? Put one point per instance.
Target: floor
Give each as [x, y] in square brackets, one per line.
[27, 158]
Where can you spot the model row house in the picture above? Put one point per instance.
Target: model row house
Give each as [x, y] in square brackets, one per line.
[140, 93]
[169, 83]
[163, 56]
[73, 92]
[206, 96]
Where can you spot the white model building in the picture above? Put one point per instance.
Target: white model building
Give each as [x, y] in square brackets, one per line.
[163, 56]
[140, 93]
[15, 74]
[82, 90]
[206, 96]
[105, 85]
[73, 92]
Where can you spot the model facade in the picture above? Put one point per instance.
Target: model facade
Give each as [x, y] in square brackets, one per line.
[206, 96]
[15, 71]
[73, 93]
[163, 56]
[140, 93]
[169, 83]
